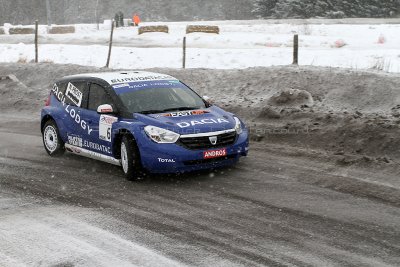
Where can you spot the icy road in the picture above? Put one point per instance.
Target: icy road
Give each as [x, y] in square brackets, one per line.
[72, 211]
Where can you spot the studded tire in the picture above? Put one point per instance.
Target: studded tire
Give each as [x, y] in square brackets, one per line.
[53, 144]
[130, 159]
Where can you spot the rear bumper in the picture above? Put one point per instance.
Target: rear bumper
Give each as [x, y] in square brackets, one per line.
[173, 158]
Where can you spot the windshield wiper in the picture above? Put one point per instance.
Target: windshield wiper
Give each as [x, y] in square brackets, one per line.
[180, 108]
[153, 111]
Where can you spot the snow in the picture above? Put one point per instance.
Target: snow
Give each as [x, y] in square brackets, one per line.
[34, 233]
[239, 45]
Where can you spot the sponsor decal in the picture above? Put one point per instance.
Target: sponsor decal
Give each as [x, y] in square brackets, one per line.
[185, 113]
[74, 94]
[210, 154]
[77, 118]
[75, 140]
[131, 86]
[79, 143]
[121, 85]
[137, 79]
[71, 111]
[96, 146]
[166, 160]
[201, 122]
[162, 84]
[105, 125]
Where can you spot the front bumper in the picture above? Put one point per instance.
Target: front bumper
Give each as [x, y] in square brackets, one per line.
[173, 158]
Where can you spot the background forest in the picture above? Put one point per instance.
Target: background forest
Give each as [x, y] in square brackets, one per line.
[88, 11]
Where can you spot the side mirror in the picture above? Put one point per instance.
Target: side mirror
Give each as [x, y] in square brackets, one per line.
[208, 99]
[105, 109]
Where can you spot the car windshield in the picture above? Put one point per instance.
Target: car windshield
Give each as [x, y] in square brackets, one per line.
[158, 97]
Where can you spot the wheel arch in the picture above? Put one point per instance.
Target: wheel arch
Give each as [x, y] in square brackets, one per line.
[45, 119]
[118, 139]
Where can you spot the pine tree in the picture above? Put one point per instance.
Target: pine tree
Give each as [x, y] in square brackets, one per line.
[327, 8]
[265, 8]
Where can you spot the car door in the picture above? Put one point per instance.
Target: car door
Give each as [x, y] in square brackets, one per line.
[99, 139]
[75, 96]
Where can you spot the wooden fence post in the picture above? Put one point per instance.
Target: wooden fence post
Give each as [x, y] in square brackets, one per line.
[296, 49]
[36, 41]
[184, 53]
[111, 40]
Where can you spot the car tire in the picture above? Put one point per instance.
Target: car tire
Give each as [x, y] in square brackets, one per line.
[53, 144]
[130, 159]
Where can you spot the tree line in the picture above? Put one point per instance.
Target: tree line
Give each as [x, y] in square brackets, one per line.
[327, 8]
[89, 11]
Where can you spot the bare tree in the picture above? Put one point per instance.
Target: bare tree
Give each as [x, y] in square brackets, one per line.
[48, 12]
[96, 15]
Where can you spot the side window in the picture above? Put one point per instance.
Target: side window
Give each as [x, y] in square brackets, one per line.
[74, 93]
[98, 96]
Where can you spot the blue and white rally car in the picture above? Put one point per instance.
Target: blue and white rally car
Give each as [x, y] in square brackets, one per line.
[141, 121]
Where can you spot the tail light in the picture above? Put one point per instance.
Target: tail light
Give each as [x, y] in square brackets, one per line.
[47, 103]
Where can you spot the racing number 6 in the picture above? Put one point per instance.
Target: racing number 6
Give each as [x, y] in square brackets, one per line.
[109, 133]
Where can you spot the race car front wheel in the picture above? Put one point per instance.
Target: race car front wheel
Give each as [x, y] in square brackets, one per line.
[51, 139]
[130, 160]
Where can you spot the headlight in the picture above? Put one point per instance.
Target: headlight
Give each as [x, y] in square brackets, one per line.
[238, 126]
[160, 135]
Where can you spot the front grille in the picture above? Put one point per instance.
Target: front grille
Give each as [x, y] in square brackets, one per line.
[203, 142]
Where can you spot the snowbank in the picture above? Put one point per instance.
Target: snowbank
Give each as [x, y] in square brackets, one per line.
[344, 111]
[239, 45]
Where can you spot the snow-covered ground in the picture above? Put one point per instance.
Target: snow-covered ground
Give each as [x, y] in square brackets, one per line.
[239, 45]
[35, 232]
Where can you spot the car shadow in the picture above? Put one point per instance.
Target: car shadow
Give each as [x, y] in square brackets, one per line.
[147, 177]
[201, 176]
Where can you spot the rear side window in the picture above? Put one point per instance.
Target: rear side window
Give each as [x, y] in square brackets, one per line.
[98, 96]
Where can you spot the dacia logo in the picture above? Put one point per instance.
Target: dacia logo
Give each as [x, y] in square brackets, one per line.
[201, 122]
[213, 140]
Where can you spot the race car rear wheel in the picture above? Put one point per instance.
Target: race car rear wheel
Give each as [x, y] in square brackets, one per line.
[130, 160]
[53, 144]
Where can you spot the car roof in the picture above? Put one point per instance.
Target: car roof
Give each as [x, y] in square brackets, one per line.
[113, 78]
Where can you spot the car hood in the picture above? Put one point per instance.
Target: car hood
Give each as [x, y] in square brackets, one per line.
[210, 119]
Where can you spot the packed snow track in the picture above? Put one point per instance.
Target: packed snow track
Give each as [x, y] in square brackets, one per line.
[71, 211]
[328, 196]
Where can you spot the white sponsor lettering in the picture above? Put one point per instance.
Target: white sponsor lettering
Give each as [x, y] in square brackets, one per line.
[77, 119]
[58, 93]
[166, 160]
[137, 79]
[215, 153]
[183, 124]
[186, 113]
[121, 85]
[180, 114]
[98, 147]
[202, 122]
[71, 111]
